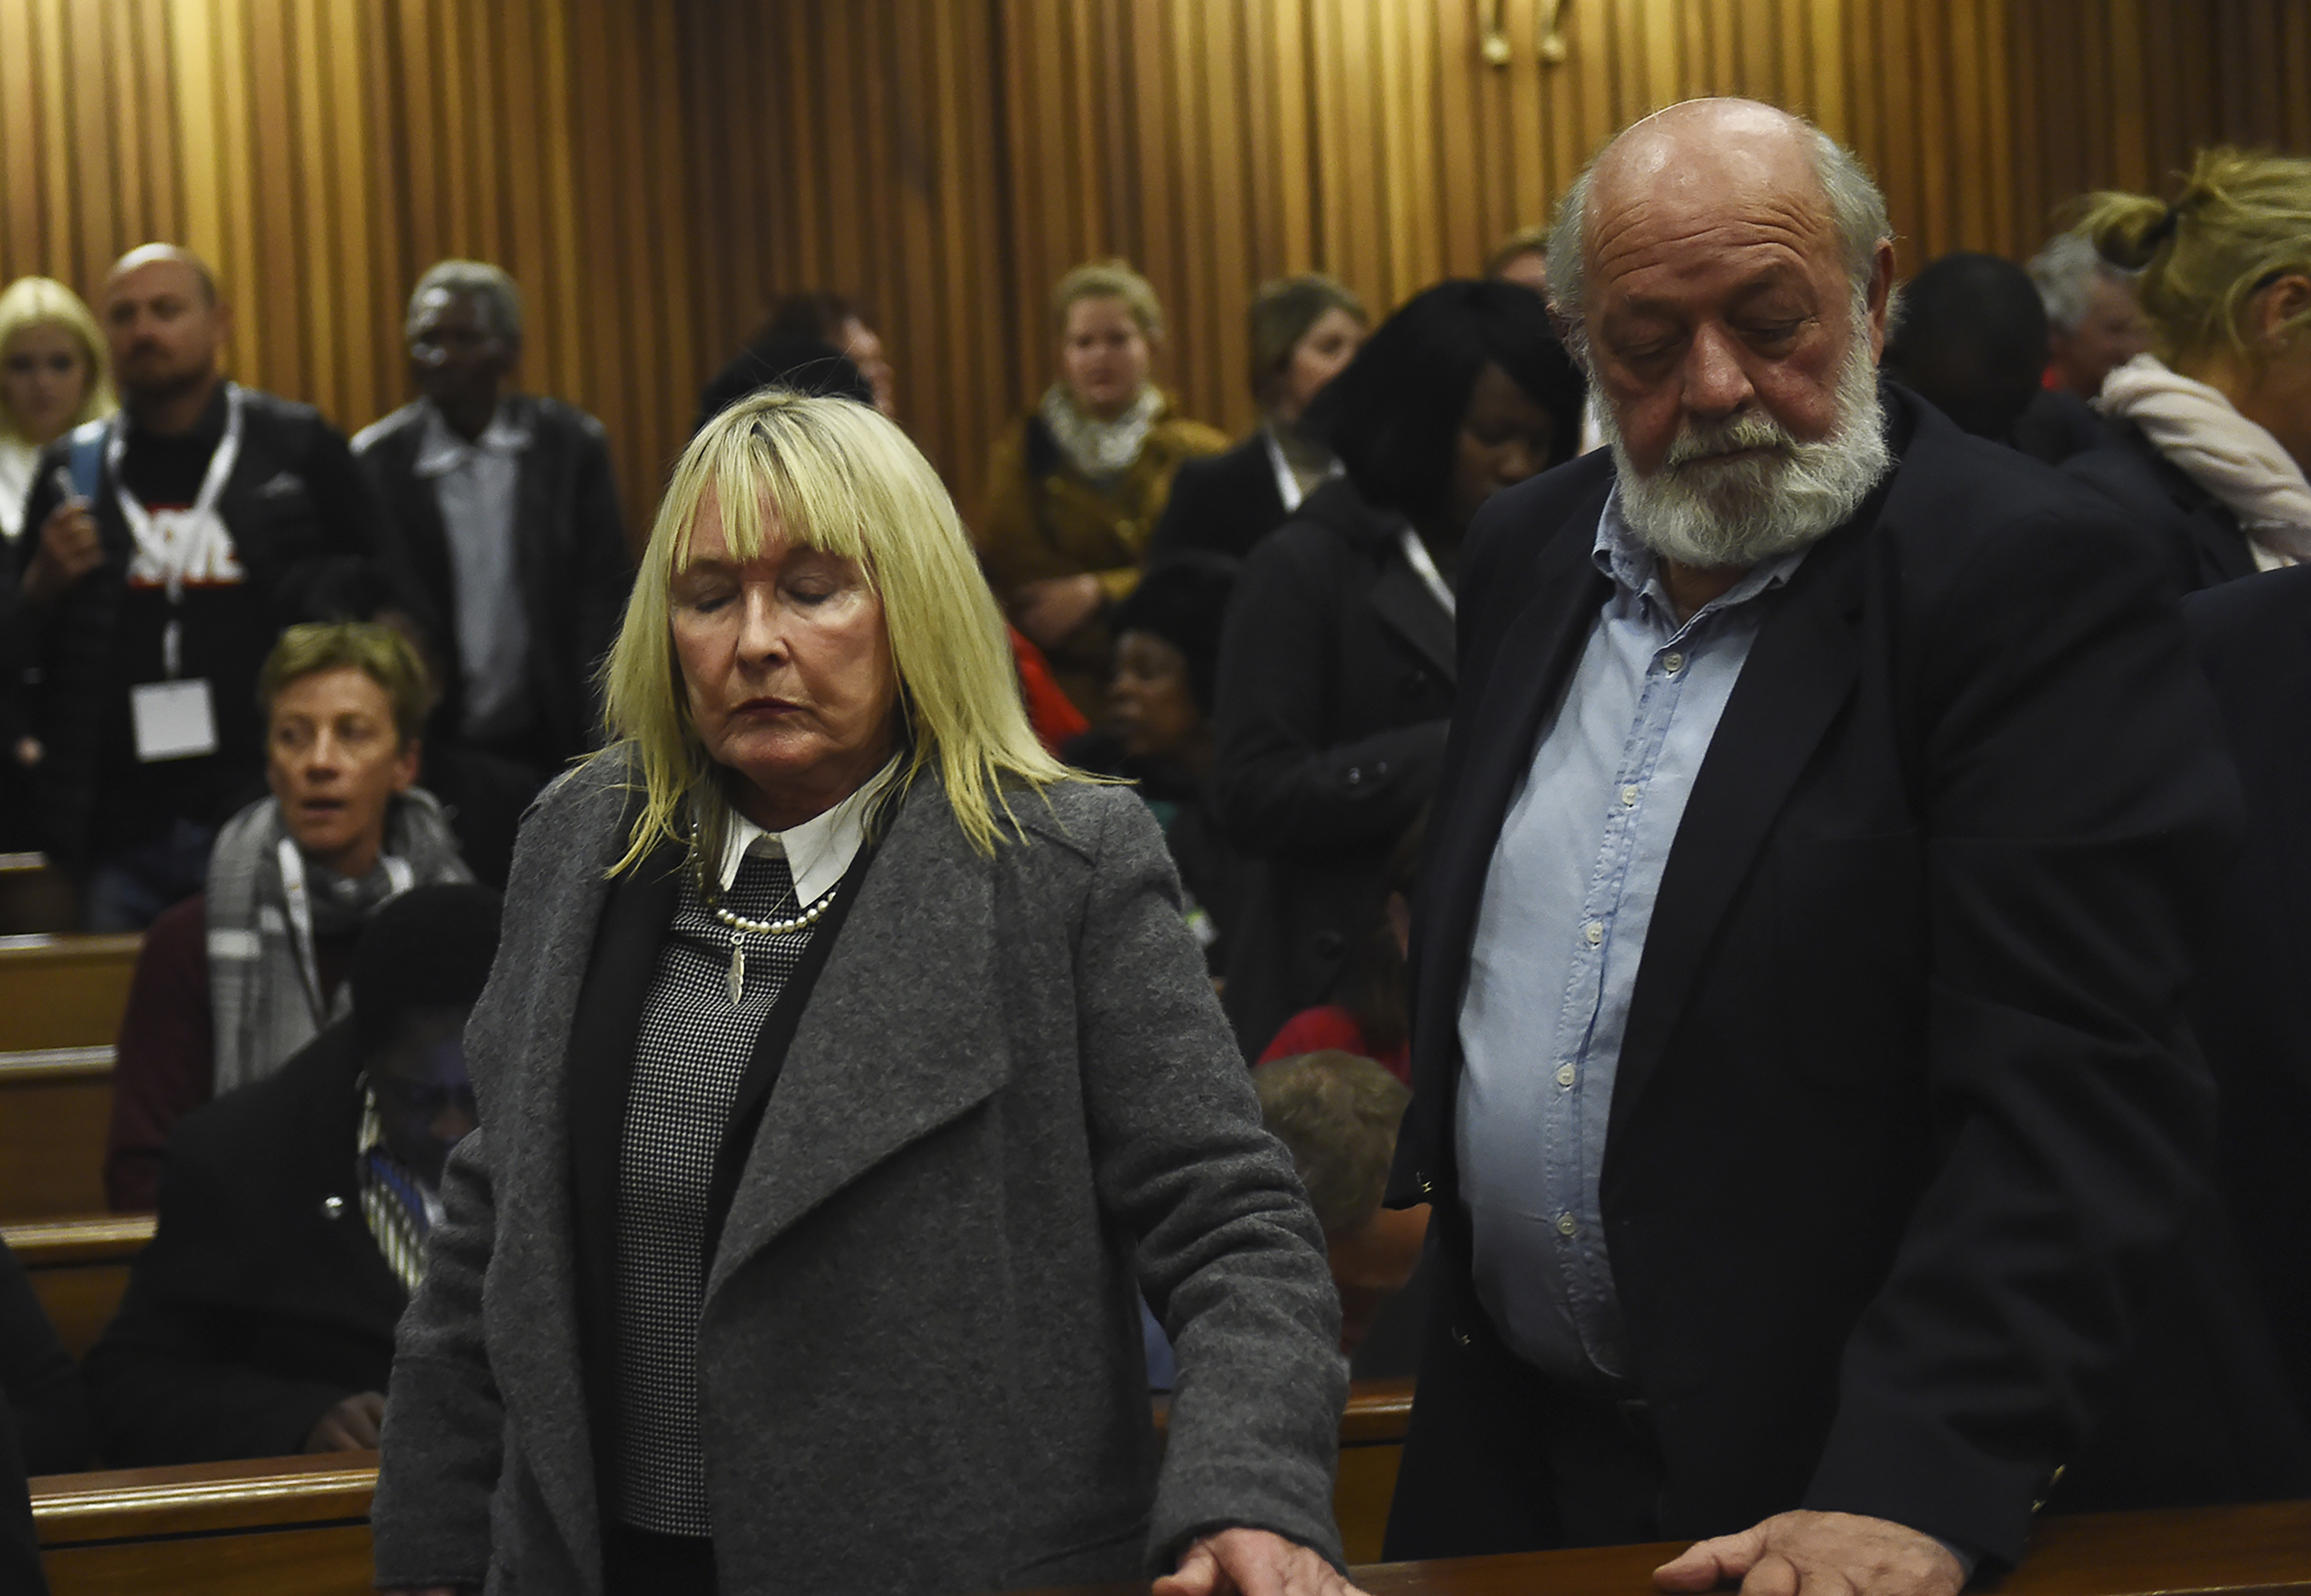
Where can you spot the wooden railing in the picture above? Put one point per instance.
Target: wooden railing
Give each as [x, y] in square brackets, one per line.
[55, 1104]
[78, 1268]
[64, 990]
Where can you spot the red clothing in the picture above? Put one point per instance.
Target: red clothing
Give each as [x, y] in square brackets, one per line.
[1050, 710]
[164, 1065]
[1315, 1030]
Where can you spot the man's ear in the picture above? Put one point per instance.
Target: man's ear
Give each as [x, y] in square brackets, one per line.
[1881, 297]
[408, 765]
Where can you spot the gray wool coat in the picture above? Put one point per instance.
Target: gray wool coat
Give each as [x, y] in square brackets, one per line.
[1010, 1098]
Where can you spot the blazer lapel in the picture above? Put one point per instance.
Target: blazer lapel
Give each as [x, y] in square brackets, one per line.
[1404, 602]
[1799, 675]
[903, 1032]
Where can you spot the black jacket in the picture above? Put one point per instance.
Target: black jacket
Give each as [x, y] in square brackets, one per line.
[262, 1301]
[573, 562]
[43, 1389]
[1222, 504]
[295, 504]
[1335, 680]
[2198, 539]
[2252, 1007]
[1906, 1185]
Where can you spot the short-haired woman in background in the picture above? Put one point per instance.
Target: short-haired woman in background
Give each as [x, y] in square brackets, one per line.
[232, 981]
[845, 1071]
[1304, 331]
[1076, 486]
[2213, 427]
[1336, 661]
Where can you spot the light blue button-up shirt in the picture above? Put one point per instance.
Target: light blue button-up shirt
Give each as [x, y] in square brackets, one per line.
[1560, 933]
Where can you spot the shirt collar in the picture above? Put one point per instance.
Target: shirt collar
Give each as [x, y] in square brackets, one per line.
[1622, 555]
[819, 850]
[440, 451]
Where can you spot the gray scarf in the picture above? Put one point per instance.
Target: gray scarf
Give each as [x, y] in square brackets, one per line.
[262, 999]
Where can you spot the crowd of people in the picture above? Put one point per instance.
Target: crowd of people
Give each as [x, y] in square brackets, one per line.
[1769, 802]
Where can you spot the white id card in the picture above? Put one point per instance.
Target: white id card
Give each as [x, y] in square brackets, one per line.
[174, 720]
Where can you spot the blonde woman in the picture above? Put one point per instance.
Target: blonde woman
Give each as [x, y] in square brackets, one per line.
[2213, 426]
[52, 378]
[1076, 486]
[846, 1069]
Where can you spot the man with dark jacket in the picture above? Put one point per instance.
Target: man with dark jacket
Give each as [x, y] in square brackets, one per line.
[294, 1215]
[504, 520]
[1817, 1148]
[173, 541]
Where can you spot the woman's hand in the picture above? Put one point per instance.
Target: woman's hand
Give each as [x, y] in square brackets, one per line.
[68, 550]
[1054, 610]
[352, 1426]
[1253, 1562]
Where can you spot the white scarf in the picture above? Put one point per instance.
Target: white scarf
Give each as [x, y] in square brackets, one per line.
[2241, 464]
[1100, 449]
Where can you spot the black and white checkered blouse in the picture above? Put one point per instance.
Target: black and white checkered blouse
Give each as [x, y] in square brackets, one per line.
[689, 1058]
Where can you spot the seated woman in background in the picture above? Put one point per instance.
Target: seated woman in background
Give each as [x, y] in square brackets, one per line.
[1157, 732]
[2213, 428]
[846, 1069]
[1076, 486]
[230, 982]
[1304, 331]
[1336, 660]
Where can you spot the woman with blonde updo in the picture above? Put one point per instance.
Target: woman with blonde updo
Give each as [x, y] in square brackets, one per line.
[52, 378]
[2213, 427]
[1076, 486]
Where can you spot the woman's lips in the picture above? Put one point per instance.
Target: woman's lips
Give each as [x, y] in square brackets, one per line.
[766, 706]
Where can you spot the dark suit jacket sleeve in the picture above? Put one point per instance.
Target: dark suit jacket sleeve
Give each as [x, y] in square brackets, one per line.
[608, 565]
[353, 517]
[43, 1387]
[165, 1064]
[443, 1419]
[20, 1546]
[2078, 808]
[1230, 1254]
[1281, 792]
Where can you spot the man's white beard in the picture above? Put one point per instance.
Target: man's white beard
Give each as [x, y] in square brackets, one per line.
[1715, 515]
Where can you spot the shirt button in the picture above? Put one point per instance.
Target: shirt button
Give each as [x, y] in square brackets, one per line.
[1628, 797]
[1595, 932]
[1565, 1225]
[1673, 663]
[1567, 1075]
[1354, 775]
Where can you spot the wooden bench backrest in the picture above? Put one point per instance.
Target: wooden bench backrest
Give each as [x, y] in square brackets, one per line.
[64, 990]
[55, 1107]
[78, 1269]
[35, 896]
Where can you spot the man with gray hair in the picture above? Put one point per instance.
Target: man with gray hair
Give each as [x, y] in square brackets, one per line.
[2093, 324]
[505, 524]
[1814, 1142]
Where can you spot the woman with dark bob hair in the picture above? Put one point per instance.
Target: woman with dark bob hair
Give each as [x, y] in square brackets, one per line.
[845, 1076]
[1336, 661]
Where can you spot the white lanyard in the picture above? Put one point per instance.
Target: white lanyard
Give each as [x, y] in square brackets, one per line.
[1416, 553]
[172, 543]
[398, 876]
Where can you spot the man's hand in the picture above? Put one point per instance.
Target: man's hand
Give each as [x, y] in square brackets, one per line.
[1253, 1562]
[69, 550]
[352, 1426]
[1052, 611]
[1821, 1554]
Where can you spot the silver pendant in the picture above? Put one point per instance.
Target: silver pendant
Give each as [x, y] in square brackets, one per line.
[738, 981]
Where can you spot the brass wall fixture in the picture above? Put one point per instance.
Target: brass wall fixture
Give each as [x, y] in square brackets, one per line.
[1496, 45]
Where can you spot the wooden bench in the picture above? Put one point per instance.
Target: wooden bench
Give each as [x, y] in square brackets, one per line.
[78, 1269]
[35, 896]
[64, 990]
[55, 1104]
[273, 1527]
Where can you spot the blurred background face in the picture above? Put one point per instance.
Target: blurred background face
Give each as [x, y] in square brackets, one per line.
[335, 759]
[864, 350]
[1505, 437]
[1530, 268]
[1152, 704]
[2113, 333]
[457, 357]
[44, 376]
[1103, 356]
[1328, 345]
[163, 330]
[787, 667]
[424, 1096]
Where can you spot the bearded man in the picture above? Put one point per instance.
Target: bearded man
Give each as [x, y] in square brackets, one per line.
[1815, 1146]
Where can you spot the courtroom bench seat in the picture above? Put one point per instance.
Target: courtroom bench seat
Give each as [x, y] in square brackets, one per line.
[55, 1106]
[78, 1268]
[35, 896]
[64, 990]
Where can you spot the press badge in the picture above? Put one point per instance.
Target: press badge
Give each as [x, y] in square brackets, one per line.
[174, 720]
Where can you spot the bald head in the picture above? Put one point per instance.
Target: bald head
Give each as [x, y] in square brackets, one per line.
[202, 280]
[166, 325]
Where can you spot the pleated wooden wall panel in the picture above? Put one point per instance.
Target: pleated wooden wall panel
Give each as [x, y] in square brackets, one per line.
[654, 173]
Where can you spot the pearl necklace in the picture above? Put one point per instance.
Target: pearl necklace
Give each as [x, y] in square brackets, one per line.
[741, 928]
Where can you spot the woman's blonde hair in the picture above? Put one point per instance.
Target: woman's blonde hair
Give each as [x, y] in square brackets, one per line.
[44, 302]
[1111, 280]
[834, 475]
[2243, 218]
